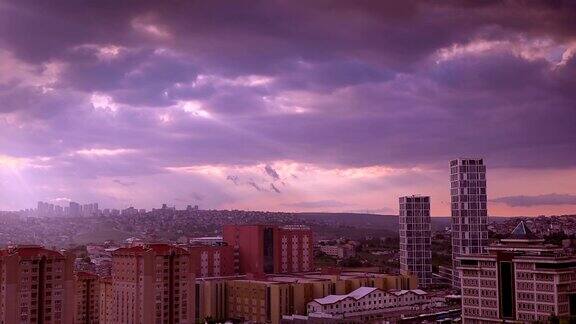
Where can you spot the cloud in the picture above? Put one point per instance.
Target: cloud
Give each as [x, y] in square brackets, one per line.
[153, 89]
[125, 183]
[254, 185]
[235, 179]
[274, 188]
[537, 200]
[271, 172]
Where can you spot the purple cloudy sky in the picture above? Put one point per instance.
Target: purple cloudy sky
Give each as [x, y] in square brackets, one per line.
[286, 105]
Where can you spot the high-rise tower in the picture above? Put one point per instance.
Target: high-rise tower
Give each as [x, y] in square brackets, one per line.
[415, 238]
[469, 211]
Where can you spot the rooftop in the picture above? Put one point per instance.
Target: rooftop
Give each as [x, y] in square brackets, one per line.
[522, 232]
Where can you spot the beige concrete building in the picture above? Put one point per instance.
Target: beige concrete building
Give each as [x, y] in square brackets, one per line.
[153, 283]
[266, 298]
[87, 299]
[518, 280]
[36, 286]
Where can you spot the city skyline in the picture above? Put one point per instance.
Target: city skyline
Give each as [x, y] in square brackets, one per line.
[286, 106]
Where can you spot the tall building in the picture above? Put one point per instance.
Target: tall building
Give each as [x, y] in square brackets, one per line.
[87, 299]
[270, 248]
[415, 238]
[36, 286]
[153, 283]
[518, 280]
[106, 299]
[74, 209]
[469, 210]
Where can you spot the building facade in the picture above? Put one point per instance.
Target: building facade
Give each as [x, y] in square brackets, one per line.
[368, 303]
[267, 298]
[153, 283]
[520, 279]
[212, 260]
[469, 209]
[270, 249]
[36, 286]
[343, 251]
[416, 238]
[106, 300]
[87, 299]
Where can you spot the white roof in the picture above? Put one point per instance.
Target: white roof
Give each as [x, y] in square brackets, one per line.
[356, 294]
[330, 299]
[361, 292]
[414, 291]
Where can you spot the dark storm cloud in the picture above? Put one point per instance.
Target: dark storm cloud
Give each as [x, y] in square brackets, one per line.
[271, 172]
[538, 200]
[350, 83]
[274, 188]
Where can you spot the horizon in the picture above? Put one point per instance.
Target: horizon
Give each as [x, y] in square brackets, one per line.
[286, 106]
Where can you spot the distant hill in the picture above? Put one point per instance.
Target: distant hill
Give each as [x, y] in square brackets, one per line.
[388, 222]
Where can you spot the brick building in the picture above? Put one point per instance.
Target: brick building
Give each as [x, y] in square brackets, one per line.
[212, 260]
[36, 286]
[153, 283]
[106, 300]
[270, 248]
[87, 298]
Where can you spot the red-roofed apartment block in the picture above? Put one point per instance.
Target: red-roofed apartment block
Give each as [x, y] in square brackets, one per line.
[36, 286]
[153, 283]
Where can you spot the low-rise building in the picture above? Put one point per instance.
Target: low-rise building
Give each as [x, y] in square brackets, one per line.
[368, 302]
[343, 251]
[266, 298]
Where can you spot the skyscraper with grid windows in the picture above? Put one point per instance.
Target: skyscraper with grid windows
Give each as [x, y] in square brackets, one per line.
[415, 238]
[469, 210]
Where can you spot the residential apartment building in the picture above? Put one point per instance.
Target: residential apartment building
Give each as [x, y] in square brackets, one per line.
[87, 299]
[36, 286]
[270, 248]
[416, 238]
[257, 301]
[106, 300]
[153, 283]
[211, 298]
[212, 260]
[519, 279]
[469, 209]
